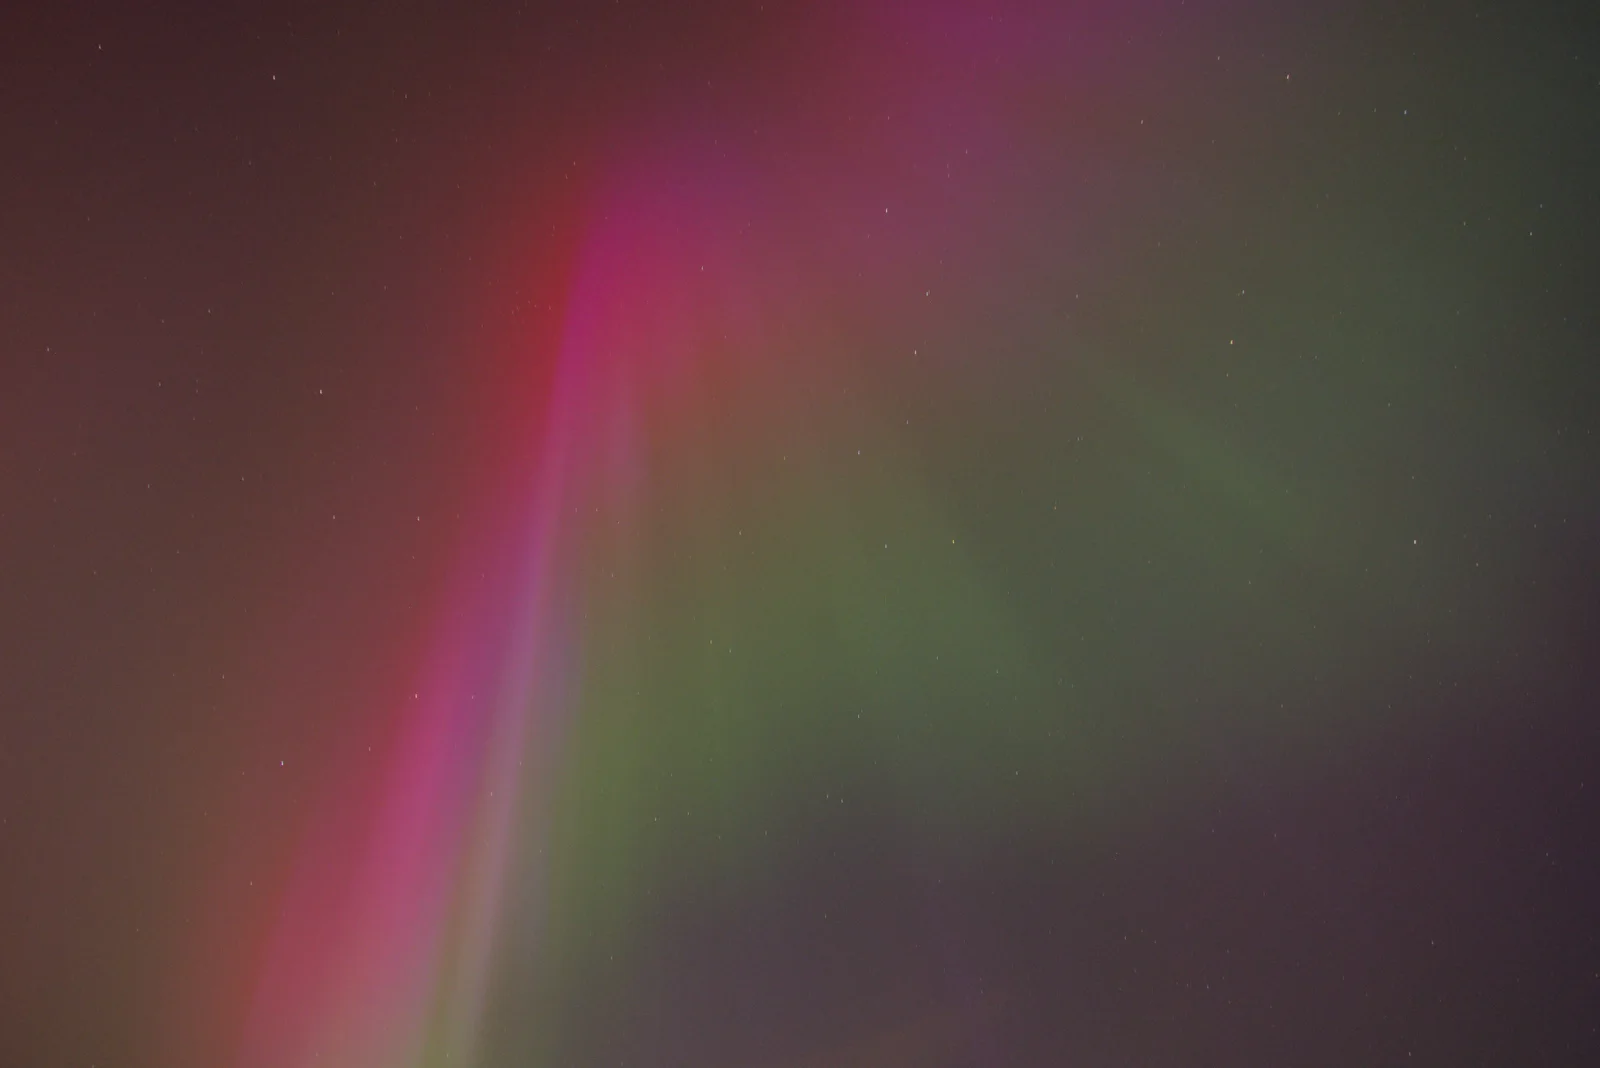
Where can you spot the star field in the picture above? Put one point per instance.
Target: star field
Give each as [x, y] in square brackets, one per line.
[782, 534]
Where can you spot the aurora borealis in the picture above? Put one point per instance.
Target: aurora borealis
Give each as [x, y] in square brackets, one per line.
[955, 533]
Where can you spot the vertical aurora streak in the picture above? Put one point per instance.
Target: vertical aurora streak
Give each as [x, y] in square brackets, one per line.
[386, 944]
[876, 533]
[735, 514]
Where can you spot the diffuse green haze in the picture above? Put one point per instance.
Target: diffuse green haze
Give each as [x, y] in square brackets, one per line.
[1026, 587]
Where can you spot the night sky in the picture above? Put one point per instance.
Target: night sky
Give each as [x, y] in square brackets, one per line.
[795, 535]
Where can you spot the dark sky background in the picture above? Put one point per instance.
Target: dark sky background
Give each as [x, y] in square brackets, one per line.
[1089, 511]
